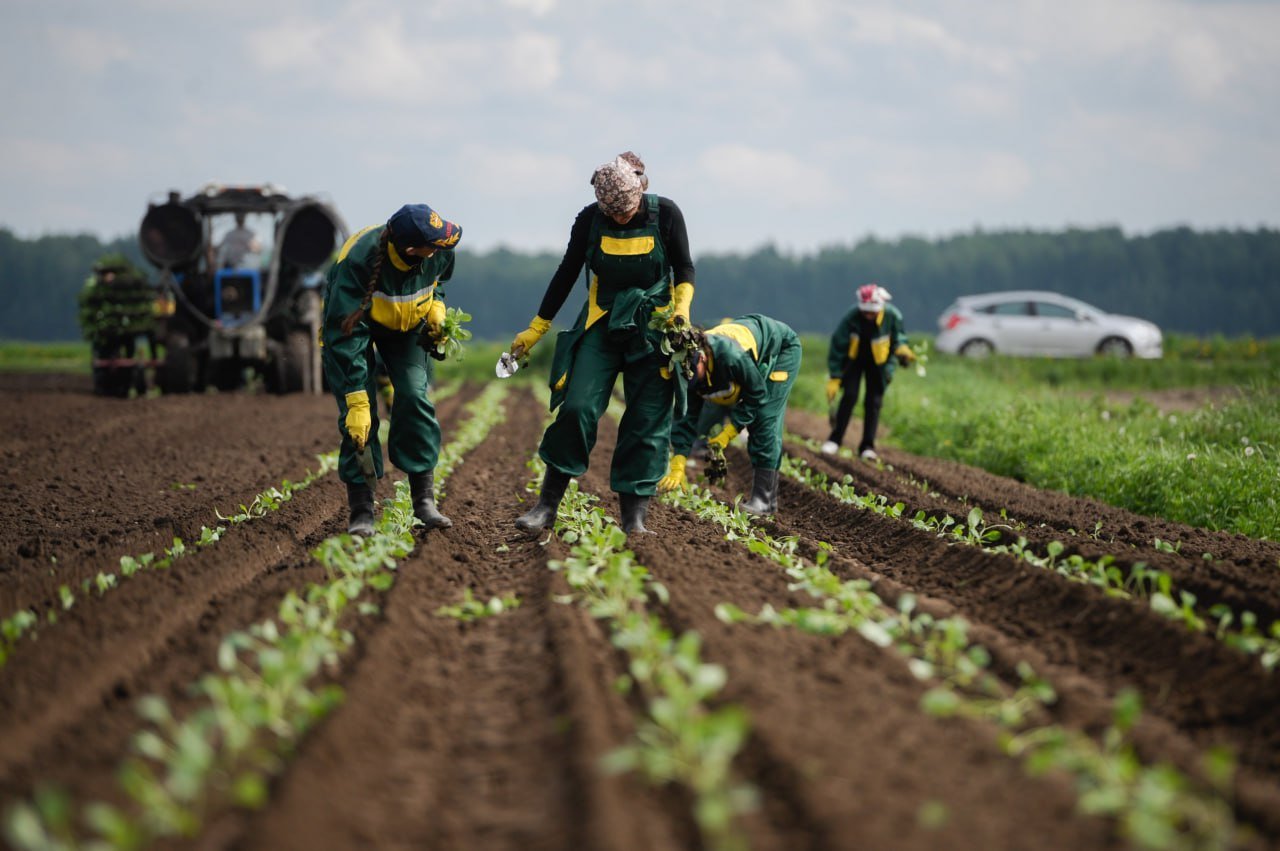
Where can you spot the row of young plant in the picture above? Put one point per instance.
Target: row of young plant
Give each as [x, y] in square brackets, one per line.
[683, 739]
[1240, 631]
[25, 623]
[259, 703]
[1154, 805]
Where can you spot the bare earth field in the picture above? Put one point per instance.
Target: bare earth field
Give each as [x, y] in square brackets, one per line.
[490, 734]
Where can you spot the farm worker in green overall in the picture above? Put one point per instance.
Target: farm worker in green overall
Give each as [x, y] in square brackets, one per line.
[860, 348]
[636, 251]
[748, 365]
[382, 295]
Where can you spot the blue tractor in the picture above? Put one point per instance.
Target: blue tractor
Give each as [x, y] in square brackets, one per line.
[239, 312]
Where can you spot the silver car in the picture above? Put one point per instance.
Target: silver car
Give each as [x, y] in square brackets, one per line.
[1034, 322]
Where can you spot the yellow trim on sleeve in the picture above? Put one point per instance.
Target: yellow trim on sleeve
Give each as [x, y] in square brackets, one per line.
[779, 375]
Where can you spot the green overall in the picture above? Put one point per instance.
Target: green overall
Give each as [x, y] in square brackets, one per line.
[754, 362]
[629, 278]
[391, 326]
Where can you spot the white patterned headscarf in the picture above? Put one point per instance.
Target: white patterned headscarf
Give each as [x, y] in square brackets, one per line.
[620, 183]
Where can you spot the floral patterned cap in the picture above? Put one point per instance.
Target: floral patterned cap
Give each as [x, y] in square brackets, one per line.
[619, 184]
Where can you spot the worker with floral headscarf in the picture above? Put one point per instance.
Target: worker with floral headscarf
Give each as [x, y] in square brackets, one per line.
[382, 294]
[860, 349]
[635, 251]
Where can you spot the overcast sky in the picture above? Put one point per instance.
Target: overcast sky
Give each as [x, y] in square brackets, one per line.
[802, 123]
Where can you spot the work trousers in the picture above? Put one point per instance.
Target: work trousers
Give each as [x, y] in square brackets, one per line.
[764, 435]
[853, 376]
[640, 458]
[413, 440]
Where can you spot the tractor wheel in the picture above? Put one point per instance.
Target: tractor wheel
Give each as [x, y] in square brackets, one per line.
[290, 370]
[177, 372]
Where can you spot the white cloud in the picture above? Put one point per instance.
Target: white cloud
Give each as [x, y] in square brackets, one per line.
[77, 163]
[517, 175]
[921, 175]
[1200, 63]
[782, 177]
[89, 51]
[982, 99]
[1087, 142]
[537, 8]
[890, 27]
[385, 59]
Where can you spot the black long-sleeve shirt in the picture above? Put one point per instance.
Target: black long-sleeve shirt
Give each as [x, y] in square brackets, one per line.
[675, 239]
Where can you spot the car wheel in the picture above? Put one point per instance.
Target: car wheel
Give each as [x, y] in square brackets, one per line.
[1115, 347]
[978, 348]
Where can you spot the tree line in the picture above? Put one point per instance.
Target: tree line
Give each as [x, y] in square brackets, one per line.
[1195, 282]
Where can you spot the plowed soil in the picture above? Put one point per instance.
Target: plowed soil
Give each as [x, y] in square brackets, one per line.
[490, 734]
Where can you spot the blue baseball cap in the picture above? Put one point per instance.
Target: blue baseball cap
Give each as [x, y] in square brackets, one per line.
[417, 224]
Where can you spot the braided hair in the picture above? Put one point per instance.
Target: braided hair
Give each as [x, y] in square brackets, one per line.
[349, 323]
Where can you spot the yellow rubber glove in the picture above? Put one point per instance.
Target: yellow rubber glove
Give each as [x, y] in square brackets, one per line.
[721, 440]
[833, 387]
[358, 419]
[681, 302]
[905, 356]
[529, 337]
[676, 478]
[435, 319]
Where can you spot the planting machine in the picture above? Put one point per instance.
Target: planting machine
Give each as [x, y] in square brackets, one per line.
[236, 319]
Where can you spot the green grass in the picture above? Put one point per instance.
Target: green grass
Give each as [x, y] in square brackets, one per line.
[18, 356]
[1051, 424]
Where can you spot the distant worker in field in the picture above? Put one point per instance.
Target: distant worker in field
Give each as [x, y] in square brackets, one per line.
[746, 365]
[864, 346]
[636, 250]
[381, 295]
[237, 245]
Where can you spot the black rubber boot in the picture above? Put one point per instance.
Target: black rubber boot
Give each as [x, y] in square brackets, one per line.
[543, 514]
[764, 493]
[360, 499]
[422, 487]
[633, 509]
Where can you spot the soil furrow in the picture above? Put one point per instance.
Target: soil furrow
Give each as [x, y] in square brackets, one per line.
[1242, 572]
[464, 735]
[68, 702]
[839, 718]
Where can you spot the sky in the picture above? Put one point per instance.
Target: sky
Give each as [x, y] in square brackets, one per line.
[800, 124]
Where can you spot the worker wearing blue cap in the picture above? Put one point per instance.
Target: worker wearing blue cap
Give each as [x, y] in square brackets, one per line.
[383, 294]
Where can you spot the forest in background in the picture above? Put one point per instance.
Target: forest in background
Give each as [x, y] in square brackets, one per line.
[1195, 282]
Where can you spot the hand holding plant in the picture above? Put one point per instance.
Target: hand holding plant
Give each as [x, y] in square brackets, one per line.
[447, 343]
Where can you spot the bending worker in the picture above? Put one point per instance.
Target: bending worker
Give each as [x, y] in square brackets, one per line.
[382, 295]
[636, 251]
[748, 365]
[860, 348]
